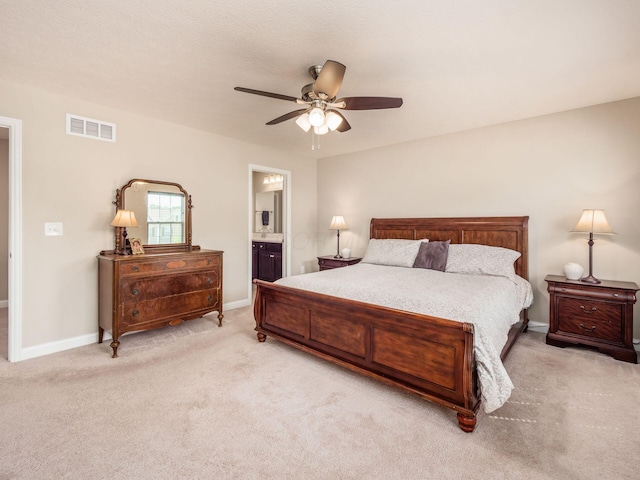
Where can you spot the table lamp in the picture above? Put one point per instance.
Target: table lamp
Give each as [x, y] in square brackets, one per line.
[338, 223]
[592, 221]
[124, 219]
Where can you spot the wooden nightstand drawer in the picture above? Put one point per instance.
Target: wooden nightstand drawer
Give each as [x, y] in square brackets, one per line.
[594, 320]
[329, 262]
[597, 315]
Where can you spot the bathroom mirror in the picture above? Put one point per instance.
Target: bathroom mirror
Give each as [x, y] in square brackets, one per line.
[163, 214]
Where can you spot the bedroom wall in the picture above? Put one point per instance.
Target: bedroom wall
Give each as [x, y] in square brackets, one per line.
[549, 168]
[73, 180]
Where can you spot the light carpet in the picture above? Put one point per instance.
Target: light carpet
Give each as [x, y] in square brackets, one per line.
[198, 401]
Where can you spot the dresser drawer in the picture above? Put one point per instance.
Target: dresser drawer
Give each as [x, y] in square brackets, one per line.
[170, 264]
[185, 305]
[136, 289]
[590, 319]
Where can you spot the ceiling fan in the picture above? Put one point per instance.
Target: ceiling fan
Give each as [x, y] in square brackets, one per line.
[321, 107]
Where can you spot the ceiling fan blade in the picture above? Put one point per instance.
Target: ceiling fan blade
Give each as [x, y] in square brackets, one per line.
[267, 94]
[344, 125]
[369, 103]
[329, 80]
[287, 116]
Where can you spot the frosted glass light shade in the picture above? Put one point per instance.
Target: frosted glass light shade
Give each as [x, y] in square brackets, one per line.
[316, 116]
[321, 130]
[303, 122]
[333, 120]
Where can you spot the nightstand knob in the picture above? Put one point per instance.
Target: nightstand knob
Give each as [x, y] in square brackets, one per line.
[593, 309]
[615, 295]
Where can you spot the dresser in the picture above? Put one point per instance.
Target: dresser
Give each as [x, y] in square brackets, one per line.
[329, 261]
[597, 315]
[141, 292]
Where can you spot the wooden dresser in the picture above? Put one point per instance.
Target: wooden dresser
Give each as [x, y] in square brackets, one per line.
[141, 292]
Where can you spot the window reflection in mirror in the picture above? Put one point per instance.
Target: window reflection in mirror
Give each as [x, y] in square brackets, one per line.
[159, 210]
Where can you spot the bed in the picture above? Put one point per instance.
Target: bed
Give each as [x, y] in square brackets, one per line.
[428, 355]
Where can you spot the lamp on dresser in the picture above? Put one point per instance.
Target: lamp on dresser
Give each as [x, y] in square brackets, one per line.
[124, 219]
[592, 221]
[338, 223]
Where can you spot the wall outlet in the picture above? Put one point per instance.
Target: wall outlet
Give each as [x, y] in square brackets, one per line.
[53, 229]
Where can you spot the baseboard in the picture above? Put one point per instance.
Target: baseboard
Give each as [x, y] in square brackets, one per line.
[88, 339]
[538, 327]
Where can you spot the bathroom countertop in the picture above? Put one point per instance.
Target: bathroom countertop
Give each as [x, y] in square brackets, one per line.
[268, 237]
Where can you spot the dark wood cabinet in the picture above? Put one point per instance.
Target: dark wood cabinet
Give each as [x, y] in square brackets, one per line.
[597, 315]
[141, 292]
[328, 262]
[266, 260]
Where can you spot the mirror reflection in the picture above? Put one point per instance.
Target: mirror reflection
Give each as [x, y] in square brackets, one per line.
[160, 209]
[268, 202]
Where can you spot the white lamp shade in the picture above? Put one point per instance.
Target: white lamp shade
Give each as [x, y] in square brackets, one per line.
[333, 120]
[124, 218]
[593, 221]
[316, 116]
[338, 223]
[303, 122]
[321, 130]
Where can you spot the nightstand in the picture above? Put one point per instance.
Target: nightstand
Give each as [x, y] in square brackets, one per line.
[328, 262]
[597, 315]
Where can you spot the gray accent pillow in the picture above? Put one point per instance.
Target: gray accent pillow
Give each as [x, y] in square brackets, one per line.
[433, 255]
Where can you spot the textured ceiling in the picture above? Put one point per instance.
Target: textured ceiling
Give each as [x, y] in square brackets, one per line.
[458, 64]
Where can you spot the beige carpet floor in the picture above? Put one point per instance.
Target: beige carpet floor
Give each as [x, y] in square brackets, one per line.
[198, 401]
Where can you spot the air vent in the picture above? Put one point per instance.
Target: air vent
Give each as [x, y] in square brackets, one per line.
[90, 128]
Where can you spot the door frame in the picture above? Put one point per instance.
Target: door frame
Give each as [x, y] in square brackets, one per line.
[286, 221]
[15, 237]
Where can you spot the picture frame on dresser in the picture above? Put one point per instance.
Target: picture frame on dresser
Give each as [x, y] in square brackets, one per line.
[136, 246]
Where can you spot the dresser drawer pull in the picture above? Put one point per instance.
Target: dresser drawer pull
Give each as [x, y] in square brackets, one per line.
[209, 261]
[134, 291]
[209, 281]
[272, 256]
[135, 269]
[210, 298]
[135, 313]
[587, 329]
[593, 309]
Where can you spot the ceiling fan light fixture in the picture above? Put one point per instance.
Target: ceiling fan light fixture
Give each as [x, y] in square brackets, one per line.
[333, 120]
[303, 122]
[316, 116]
[321, 130]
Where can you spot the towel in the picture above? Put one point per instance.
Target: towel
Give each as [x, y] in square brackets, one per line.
[265, 217]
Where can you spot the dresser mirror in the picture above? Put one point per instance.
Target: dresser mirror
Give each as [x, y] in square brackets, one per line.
[162, 211]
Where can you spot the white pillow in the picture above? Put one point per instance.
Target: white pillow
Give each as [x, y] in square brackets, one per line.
[481, 260]
[392, 252]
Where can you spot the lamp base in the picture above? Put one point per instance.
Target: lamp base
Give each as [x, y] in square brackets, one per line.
[590, 279]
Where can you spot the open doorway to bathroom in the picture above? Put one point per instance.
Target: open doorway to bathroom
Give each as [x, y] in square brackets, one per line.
[269, 224]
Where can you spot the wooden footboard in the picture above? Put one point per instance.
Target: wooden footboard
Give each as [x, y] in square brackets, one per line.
[430, 356]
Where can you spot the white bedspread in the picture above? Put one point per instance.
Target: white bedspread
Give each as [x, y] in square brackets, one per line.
[491, 303]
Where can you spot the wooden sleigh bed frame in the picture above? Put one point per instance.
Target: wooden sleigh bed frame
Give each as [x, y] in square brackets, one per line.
[429, 356]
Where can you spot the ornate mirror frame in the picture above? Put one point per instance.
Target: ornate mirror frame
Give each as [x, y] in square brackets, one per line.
[160, 248]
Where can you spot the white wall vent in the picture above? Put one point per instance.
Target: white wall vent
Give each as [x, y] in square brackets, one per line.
[90, 128]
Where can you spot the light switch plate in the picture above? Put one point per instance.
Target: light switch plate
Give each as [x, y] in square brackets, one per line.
[53, 229]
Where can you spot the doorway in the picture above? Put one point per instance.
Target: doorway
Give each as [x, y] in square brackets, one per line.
[281, 220]
[14, 313]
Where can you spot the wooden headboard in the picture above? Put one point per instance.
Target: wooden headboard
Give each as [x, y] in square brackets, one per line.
[507, 232]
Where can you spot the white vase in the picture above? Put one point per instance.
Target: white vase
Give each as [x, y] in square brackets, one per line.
[573, 271]
[346, 253]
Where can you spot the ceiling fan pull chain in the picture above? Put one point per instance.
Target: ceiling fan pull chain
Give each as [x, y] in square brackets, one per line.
[313, 146]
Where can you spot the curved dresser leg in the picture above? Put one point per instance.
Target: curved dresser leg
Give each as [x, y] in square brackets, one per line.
[261, 337]
[115, 344]
[467, 423]
[220, 317]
